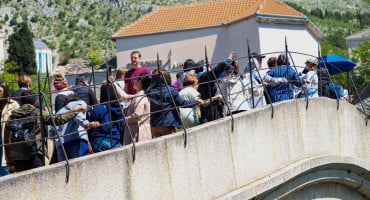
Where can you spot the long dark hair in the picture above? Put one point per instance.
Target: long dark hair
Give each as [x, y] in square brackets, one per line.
[6, 94]
[145, 80]
[107, 94]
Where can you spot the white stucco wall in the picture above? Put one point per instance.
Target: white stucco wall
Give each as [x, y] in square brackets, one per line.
[272, 39]
[184, 45]
[263, 38]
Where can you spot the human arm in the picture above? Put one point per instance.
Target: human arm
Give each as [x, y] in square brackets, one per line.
[80, 118]
[273, 81]
[121, 93]
[62, 118]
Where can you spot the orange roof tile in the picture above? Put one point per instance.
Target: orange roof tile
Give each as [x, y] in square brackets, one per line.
[207, 14]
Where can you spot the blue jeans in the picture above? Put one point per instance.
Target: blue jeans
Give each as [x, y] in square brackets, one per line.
[74, 149]
[102, 144]
[3, 169]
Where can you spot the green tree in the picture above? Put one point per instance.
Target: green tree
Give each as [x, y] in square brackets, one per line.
[11, 80]
[95, 57]
[10, 67]
[13, 21]
[22, 51]
[361, 56]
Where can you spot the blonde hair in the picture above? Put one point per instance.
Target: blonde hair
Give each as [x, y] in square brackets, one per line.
[121, 71]
[59, 76]
[24, 81]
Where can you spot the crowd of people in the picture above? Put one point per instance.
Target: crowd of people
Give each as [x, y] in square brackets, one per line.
[139, 104]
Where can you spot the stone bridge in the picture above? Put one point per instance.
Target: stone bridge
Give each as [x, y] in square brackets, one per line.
[315, 152]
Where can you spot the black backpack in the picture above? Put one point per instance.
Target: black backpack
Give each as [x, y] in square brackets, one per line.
[23, 133]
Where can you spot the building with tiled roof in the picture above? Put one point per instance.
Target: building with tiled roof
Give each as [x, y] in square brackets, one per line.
[354, 40]
[220, 25]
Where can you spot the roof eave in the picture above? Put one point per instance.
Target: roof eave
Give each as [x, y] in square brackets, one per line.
[357, 37]
[161, 32]
[292, 20]
[280, 19]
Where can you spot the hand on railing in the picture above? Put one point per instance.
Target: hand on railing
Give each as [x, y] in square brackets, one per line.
[93, 124]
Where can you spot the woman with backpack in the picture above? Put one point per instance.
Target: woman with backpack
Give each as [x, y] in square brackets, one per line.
[7, 105]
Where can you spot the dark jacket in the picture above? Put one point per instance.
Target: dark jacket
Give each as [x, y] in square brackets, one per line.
[25, 111]
[101, 113]
[85, 93]
[170, 116]
[208, 88]
[17, 94]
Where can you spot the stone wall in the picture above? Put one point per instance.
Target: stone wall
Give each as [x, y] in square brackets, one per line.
[216, 160]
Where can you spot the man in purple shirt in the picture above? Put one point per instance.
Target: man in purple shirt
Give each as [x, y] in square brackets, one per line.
[134, 72]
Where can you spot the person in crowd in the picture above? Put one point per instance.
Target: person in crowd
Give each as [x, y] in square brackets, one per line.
[131, 74]
[283, 91]
[310, 79]
[74, 137]
[7, 105]
[120, 77]
[24, 83]
[208, 86]
[259, 58]
[83, 90]
[324, 89]
[257, 64]
[255, 81]
[28, 160]
[176, 84]
[110, 117]
[164, 100]
[273, 81]
[268, 80]
[120, 81]
[190, 116]
[190, 67]
[341, 93]
[61, 86]
[272, 62]
[234, 89]
[138, 111]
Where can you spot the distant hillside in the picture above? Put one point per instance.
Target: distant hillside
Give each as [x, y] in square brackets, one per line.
[334, 5]
[336, 19]
[73, 27]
